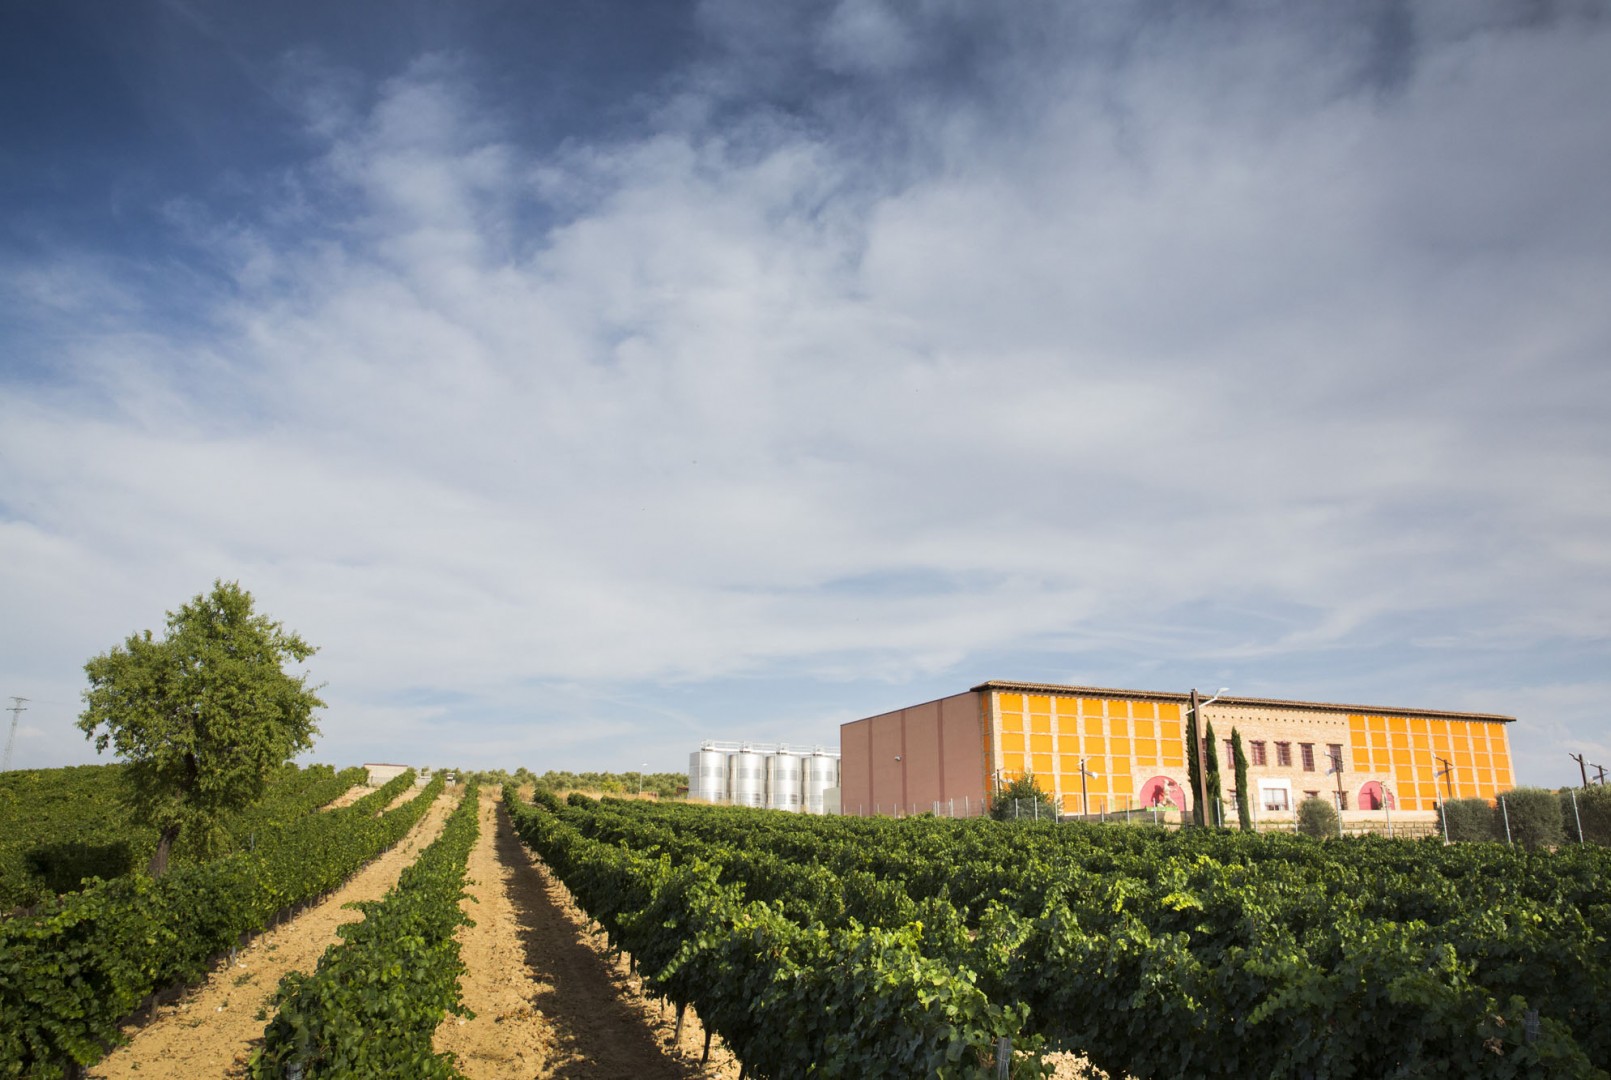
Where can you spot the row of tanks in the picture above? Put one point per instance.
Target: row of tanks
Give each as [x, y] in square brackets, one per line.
[774, 775]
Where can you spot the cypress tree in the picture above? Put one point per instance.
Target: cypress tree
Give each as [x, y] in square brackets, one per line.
[1244, 804]
[1216, 816]
[1193, 773]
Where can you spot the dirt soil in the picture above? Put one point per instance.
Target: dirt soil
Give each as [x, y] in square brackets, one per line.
[212, 1029]
[550, 1002]
[348, 797]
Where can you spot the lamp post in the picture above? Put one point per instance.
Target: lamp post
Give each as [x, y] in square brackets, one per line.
[1337, 770]
[1201, 748]
[1085, 803]
[1447, 772]
[1443, 806]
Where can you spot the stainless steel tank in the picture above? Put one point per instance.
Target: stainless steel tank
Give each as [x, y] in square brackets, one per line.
[821, 773]
[746, 779]
[707, 776]
[785, 775]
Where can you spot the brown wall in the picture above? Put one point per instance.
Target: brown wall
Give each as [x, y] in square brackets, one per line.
[940, 756]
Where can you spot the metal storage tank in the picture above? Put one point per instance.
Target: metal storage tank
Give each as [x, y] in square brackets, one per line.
[821, 773]
[707, 775]
[746, 779]
[785, 777]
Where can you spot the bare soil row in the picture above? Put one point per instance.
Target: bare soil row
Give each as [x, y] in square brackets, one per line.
[549, 1001]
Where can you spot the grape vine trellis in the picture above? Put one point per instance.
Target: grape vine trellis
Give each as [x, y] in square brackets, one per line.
[841, 946]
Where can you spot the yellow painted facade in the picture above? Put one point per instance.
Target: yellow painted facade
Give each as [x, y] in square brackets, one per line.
[1413, 751]
[1122, 742]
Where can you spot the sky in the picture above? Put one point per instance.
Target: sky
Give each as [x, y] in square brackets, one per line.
[589, 378]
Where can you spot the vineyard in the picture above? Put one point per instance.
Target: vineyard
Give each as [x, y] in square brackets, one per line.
[59, 826]
[791, 946]
[917, 947]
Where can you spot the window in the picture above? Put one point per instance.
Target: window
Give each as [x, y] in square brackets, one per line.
[1275, 798]
[1308, 751]
[1335, 752]
[1230, 753]
[1258, 751]
[1283, 754]
[1311, 794]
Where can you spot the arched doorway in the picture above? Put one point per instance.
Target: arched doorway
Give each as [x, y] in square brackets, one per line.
[1163, 791]
[1372, 795]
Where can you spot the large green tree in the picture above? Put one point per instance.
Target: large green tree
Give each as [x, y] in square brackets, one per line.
[202, 715]
[1215, 807]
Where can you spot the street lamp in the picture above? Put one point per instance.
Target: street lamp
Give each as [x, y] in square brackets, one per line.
[1201, 749]
[1085, 802]
[1337, 771]
[1443, 807]
[1447, 773]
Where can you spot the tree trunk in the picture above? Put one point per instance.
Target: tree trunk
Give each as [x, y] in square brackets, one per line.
[159, 858]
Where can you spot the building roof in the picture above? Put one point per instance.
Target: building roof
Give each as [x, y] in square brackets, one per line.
[1161, 695]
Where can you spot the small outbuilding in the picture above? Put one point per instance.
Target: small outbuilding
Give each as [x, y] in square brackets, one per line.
[380, 773]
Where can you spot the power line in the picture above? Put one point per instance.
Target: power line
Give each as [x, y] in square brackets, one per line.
[16, 710]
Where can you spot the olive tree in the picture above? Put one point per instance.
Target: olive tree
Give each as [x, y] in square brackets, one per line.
[1023, 798]
[1317, 818]
[202, 715]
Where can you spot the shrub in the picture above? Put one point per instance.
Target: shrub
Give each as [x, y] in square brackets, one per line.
[1469, 819]
[1594, 807]
[1317, 817]
[1023, 798]
[1534, 815]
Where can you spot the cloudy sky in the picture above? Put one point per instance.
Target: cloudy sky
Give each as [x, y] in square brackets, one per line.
[589, 378]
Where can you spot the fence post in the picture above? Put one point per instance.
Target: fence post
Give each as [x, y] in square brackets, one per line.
[1578, 816]
[1003, 1057]
[1506, 811]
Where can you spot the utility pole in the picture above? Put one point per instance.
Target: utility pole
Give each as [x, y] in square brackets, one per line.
[1200, 749]
[1447, 772]
[1581, 767]
[16, 711]
[1601, 770]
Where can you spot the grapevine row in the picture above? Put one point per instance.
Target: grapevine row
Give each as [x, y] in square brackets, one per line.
[787, 999]
[1161, 954]
[375, 1001]
[58, 826]
[71, 973]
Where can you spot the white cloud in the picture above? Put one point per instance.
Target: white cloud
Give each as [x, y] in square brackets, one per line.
[1202, 326]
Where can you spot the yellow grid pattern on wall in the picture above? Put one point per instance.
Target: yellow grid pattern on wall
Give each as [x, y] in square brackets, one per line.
[1122, 742]
[1412, 751]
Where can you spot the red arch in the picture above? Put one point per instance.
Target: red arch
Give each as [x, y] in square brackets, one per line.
[1163, 790]
[1371, 795]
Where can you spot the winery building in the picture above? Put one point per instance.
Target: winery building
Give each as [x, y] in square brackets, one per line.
[1102, 751]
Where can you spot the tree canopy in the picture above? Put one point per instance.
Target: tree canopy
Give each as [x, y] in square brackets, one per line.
[1023, 798]
[202, 715]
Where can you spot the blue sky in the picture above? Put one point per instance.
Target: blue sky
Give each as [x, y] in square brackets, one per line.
[587, 379]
